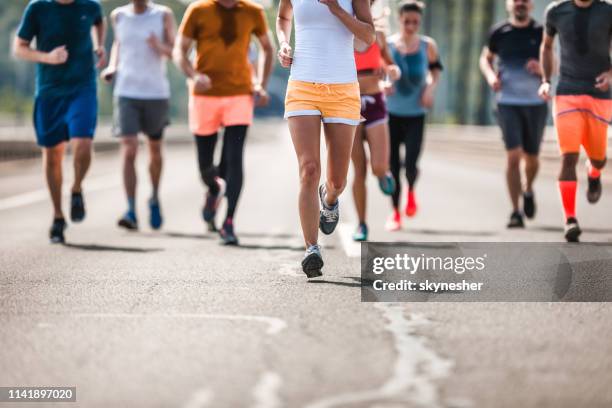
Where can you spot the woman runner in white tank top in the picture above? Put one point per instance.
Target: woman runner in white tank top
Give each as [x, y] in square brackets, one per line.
[322, 87]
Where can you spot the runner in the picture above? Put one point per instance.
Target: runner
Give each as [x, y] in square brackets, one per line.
[322, 87]
[222, 90]
[65, 107]
[412, 96]
[583, 101]
[373, 63]
[522, 114]
[144, 37]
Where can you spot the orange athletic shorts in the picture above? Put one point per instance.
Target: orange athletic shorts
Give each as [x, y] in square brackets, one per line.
[335, 103]
[583, 120]
[209, 113]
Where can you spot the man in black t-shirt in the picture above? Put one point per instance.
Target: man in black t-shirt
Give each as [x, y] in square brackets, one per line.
[514, 45]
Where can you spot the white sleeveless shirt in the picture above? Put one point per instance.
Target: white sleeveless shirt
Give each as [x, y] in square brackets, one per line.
[323, 45]
[141, 73]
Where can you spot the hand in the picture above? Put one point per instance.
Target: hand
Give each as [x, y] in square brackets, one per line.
[101, 54]
[427, 98]
[394, 72]
[262, 98]
[285, 55]
[108, 74]
[494, 82]
[544, 91]
[533, 67]
[333, 5]
[56, 56]
[155, 44]
[388, 89]
[200, 83]
[603, 81]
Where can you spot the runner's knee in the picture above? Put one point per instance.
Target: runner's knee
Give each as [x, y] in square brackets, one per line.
[310, 172]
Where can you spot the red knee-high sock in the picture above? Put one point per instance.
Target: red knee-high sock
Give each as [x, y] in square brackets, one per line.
[592, 171]
[568, 197]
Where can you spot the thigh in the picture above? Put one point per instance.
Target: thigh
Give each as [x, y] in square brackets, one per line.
[571, 124]
[82, 115]
[415, 128]
[155, 117]
[233, 143]
[126, 117]
[599, 116]
[396, 134]
[237, 110]
[535, 117]
[205, 114]
[339, 140]
[206, 149]
[49, 120]
[306, 137]
[510, 122]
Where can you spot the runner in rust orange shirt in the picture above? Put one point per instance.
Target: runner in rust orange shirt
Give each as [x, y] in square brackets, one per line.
[222, 93]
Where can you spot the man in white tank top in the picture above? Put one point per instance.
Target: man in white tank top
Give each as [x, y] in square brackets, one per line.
[144, 37]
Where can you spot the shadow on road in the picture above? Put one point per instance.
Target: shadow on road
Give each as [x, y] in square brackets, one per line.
[447, 232]
[549, 228]
[110, 248]
[357, 282]
[272, 247]
[170, 234]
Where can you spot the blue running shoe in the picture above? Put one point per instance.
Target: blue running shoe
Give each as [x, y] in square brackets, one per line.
[387, 184]
[328, 217]
[128, 221]
[155, 218]
[227, 233]
[212, 201]
[56, 233]
[361, 234]
[312, 262]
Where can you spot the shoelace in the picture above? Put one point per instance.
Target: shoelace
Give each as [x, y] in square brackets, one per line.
[330, 215]
[313, 249]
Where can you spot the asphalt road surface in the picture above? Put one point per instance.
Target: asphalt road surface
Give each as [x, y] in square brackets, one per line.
[173, 319]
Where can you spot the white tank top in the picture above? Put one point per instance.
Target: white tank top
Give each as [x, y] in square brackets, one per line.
[323, 45]
[142, 72]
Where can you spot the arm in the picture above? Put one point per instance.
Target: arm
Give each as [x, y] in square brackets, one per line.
[264, 72]
[23, 51]
[433, 78]
[284, 21]
[361, 25]
[487, 59]
[547, 60]
[108, 74]
[99, 38]
[164, 48]
[391, 69]
[180, 54]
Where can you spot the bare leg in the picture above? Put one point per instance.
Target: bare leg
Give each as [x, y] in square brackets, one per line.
[378, 141]
[155, 165]
[513, 176]
[339, 139]
[130, 150]
[306, 137]
[52, 163]
[532, 165]
[81, 148]
[360, 164]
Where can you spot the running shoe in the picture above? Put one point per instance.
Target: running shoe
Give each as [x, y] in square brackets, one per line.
[312, 262]
[227, 233]
[212, 201]
[77, 207]
[516, 220]
[328, 217]
[128, 221]
[594, 191]
[572, 230]
[411, 205]
[56, 233]
[361, 234]
[529, 205]
[387, 184]
[155, 217]
[394, 222]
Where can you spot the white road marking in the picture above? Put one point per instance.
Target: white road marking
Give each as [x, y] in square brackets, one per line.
[266, 391]
[351, 248]
[200, 399]
[36, 196]
[275, 325]
[416, 369]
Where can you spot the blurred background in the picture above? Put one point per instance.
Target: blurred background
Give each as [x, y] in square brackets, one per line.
[459, 26]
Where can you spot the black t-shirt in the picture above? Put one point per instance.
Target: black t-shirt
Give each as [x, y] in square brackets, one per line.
[584, 35]
[514, 46]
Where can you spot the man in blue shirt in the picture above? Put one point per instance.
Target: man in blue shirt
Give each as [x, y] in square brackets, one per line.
[65, 107]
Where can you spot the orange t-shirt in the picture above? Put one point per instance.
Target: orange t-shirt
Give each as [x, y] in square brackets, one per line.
[222, 39]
